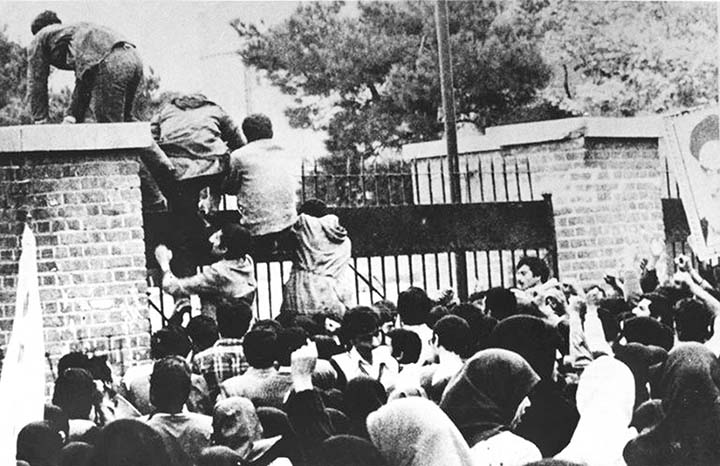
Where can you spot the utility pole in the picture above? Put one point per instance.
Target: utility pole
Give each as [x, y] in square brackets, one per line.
[448, 101]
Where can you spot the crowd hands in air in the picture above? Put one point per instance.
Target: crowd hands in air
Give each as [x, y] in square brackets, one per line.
[624, 371]
[619, 372]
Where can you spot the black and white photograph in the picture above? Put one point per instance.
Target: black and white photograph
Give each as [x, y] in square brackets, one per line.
[359, 233]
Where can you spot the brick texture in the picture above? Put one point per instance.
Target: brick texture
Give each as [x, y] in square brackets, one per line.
[606, 197]
[86, 215]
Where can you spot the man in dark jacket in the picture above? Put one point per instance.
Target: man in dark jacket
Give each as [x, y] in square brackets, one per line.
[197, 137]
[107, 69]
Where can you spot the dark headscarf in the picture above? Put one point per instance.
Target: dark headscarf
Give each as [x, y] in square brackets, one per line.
[76, 454]
[276, 422]
[129, 441]
[348, 450]
[220, 456]
[483, 397]
[689, 433]
[38, 444]
[640, 359]
[530, 337]
[362, 396]
[648, 331]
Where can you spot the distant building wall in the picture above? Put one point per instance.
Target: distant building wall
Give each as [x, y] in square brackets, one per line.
[80, 186]
[606, 178]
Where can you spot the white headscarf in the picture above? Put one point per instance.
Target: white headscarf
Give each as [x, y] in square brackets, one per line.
[605, 399]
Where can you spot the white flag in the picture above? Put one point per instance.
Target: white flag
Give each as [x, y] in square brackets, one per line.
[22, 382]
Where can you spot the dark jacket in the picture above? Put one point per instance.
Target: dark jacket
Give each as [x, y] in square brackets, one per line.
[76, 47]
[196, 134]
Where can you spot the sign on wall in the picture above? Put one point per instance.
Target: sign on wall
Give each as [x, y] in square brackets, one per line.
[692, 141]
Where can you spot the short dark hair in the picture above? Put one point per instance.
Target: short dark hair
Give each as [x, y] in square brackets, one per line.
[453, 333]
[267, 324]
[436, 313]
[74, 393]
[233, 322]
[57, 419]
[500, 303]
[203, 332]
[169, 341]
[536, 265]
[692, 320]
[170, 384]
[414, 306]
[74, 359]
[314, 208]
[481, 325]
[257, 126]
[46, 18]
[38, 444]
[260, 348]
[288, 340]
[358, 321]
[130, 441]
[237, 239]
[405, 343]
[660, 308]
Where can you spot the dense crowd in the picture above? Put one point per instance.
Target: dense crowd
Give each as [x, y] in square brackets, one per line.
[547, 373]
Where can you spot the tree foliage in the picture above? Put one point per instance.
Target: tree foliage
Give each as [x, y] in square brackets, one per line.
[626, 58]
[378, 67]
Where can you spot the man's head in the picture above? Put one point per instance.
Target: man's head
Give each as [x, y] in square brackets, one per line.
[260, 348]
[46, 18]
[231, 242]
[360, 328]
[257, 126]
[313, 208]
[288, 340]
[170, 384]
[453, 334]
[693, 321]
[74, 393]
[500, 303]
[414, 306]
[169, 341]
[203, 332]
[406, 345]
[531, 271]
[233, 323]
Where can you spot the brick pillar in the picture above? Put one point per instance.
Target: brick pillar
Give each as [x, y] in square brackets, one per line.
[80, 185]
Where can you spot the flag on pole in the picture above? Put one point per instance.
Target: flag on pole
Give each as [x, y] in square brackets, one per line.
[22, 382]
[692, 141]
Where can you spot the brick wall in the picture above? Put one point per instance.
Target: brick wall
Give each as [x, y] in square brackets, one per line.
[82, 192]
[606, 178]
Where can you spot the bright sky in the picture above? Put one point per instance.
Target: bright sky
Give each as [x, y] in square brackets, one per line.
[189, 46]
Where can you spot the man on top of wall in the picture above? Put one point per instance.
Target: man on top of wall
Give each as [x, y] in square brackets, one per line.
[107, 69]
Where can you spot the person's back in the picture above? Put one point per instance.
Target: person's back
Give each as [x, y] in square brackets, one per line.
[184, 434]
[196, 134]
[264, 177]
[261, 383]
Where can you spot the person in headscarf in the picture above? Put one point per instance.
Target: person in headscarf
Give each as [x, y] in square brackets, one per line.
[129, 441]
[605, 398]
[415, 432]
[75, 393]
[362, 396]
[550, 420]
[76, 454]
[689, 432]
[483, 400]
[348, 450]
[320, 279]
[236, 425]
[641, 359]
[38, 444]
[648, 331]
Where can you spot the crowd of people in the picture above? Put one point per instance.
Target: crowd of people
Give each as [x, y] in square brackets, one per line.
[545, 373]
[619, 372]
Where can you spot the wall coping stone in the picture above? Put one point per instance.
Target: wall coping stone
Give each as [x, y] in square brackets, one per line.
[497, 137]
[74, 137]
